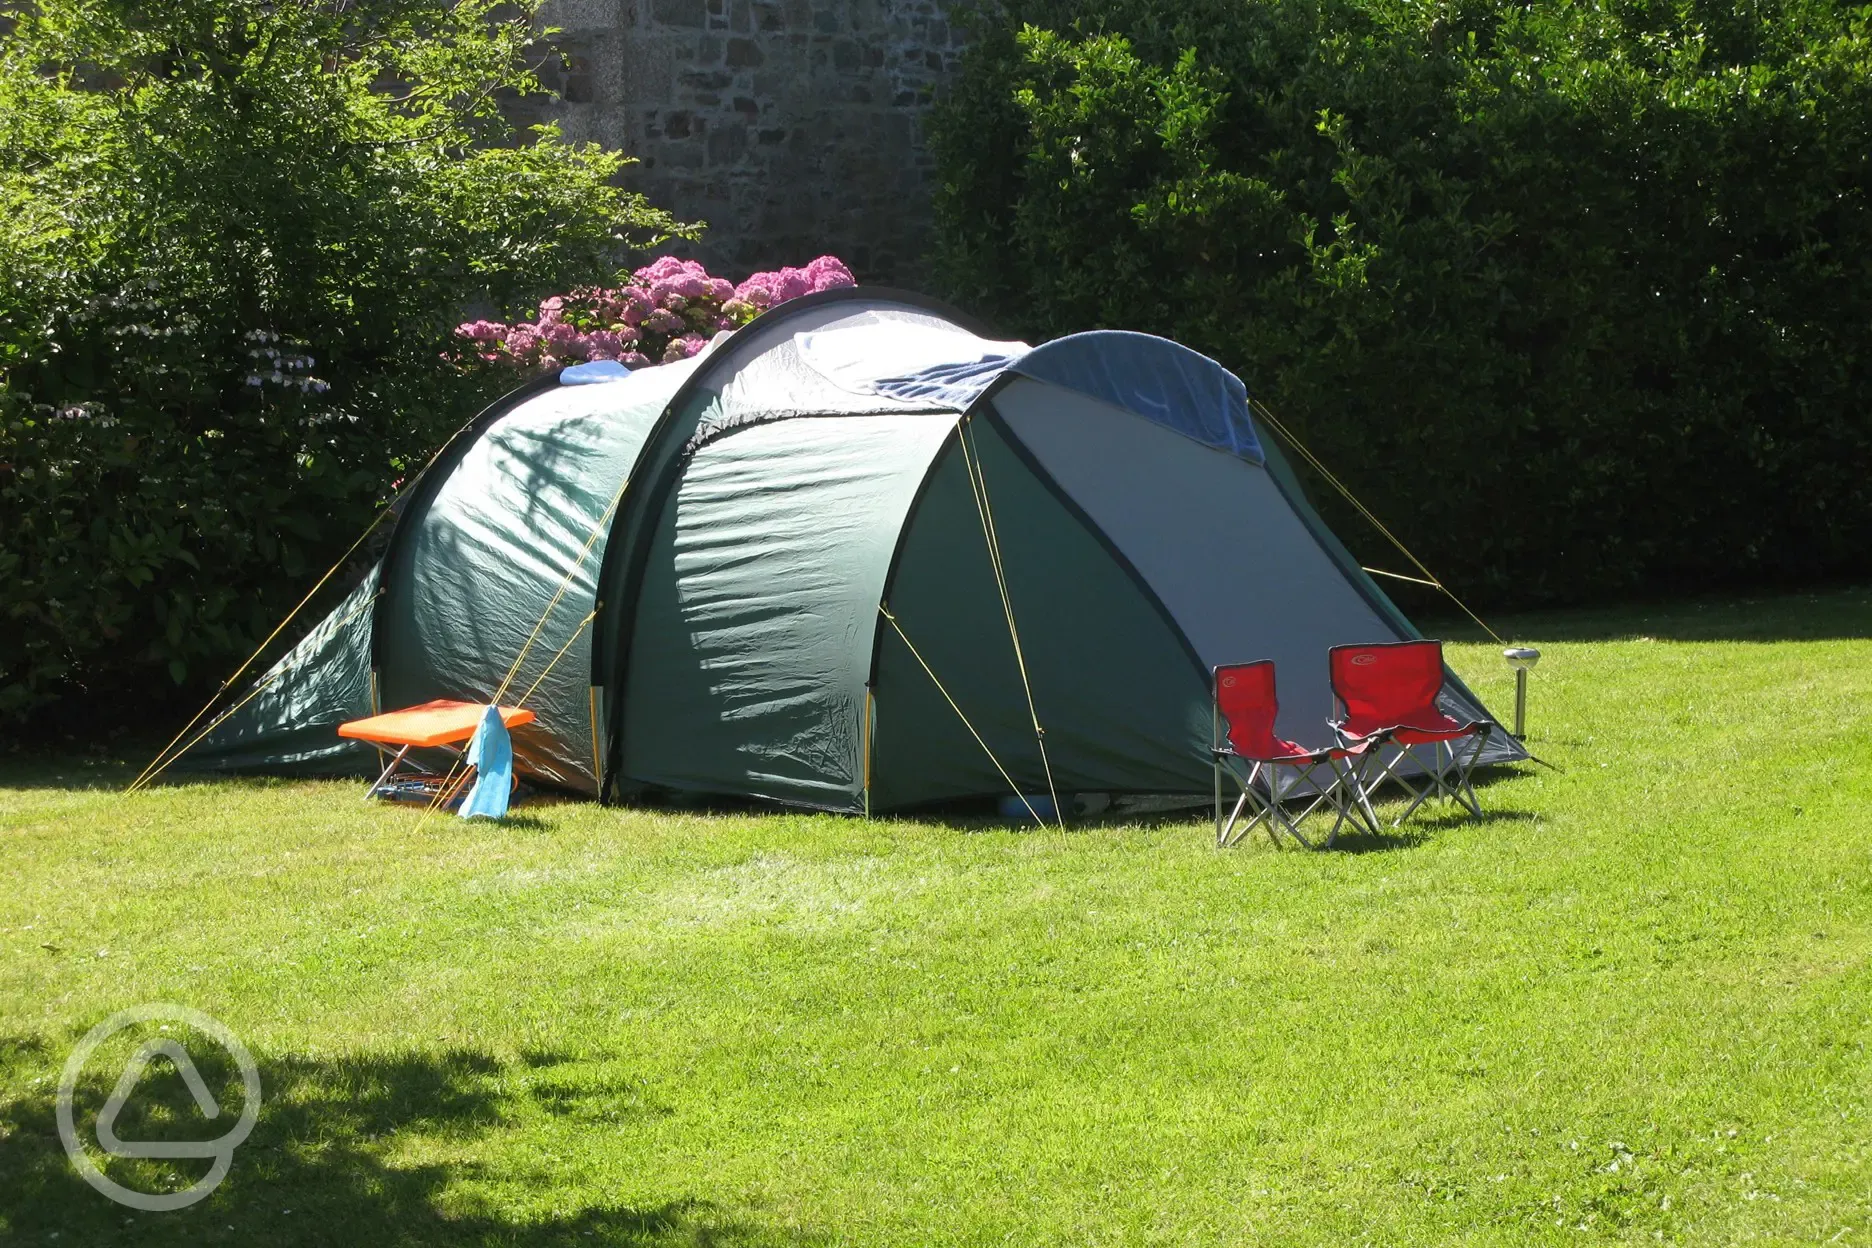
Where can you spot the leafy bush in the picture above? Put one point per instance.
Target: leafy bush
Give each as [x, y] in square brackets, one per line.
[664, 312]
[1577, 297]
[236, 237]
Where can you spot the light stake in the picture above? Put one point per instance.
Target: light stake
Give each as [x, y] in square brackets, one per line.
[1522, 659]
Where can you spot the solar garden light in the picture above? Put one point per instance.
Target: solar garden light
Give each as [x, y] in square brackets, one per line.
[1522, 659]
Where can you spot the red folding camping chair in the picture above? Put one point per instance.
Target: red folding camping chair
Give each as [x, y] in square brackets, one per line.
[1387, 694]
[1246, 705]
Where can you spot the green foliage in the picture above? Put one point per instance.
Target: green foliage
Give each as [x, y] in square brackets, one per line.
[235, 239]
[1575, 296]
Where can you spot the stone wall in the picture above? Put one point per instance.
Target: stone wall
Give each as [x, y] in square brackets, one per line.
[793, 127]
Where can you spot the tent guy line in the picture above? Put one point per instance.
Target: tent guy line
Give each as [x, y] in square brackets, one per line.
[700, 615]
[954, 706]
[978, 483]
[1273, 422]
[153, 771]
[158, 764]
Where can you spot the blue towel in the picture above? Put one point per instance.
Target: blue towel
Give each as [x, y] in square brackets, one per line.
[491, 755]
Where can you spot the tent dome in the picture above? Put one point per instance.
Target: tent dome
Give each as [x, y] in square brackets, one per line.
[851, 557]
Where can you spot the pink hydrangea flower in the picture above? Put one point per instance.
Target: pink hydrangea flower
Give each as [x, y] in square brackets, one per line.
[562, 337]
[684, 347]
[664, 310]
[684, 277]
[791, 284]
[523, 342]
[633, 304]
[662, 267]
[603, 344]
[766, 289]
[829, 273]
[663, 321]
[779, 285]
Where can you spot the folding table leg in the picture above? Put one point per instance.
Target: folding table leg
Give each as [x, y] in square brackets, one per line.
[377, 784]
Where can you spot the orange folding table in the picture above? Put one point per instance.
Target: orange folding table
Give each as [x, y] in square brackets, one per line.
[442, 724]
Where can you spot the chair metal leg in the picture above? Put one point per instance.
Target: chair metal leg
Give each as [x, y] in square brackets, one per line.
[1363, 792]
[1268, 791]
[1345, 799]
[1466, 769]
[1388, 770]
[1217, 766]
[1223, 837]
[1448, 778]
[1436, 784]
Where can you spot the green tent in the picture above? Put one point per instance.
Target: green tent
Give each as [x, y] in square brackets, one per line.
[847, 558]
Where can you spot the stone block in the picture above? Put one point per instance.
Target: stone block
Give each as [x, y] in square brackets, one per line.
[727, 145]
[679, 12]
[793, 126]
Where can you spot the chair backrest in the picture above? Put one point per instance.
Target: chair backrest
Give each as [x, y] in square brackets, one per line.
[1386, 684]
[1244, 694]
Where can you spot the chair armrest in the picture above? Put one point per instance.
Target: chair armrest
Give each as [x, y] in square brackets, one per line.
[1349, 740]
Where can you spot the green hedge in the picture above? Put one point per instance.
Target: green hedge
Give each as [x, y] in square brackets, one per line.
[1577, 298]
[235, 238]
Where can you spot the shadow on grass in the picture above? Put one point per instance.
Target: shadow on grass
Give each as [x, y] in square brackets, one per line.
[1422, 828]
[32, 769]
[1825, 615]
[318, 1168]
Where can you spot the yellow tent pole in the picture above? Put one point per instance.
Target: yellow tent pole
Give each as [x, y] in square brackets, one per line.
[869, 697]
[921, 662]
[978, 484]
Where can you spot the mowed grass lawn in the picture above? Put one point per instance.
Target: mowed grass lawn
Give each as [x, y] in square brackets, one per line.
[1632, 1006]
